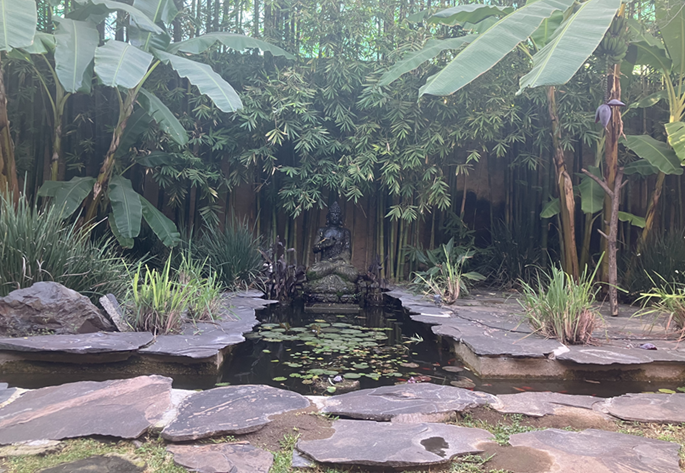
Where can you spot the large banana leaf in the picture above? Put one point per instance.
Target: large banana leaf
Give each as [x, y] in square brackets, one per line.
[124, 242]
[146, 40]
[490, 47]
[472, 13]
[649, 55]
[591, 194]
[163, 116]
[126, 207]
[670, 16]
[234, 41]
[676, 138]
[120, 64]
[633, 219]
[657, 153]
[414, 59]
[17, 23]
[74, 51]
[542, 35]
[67, 195]
[571, 45]
[159, 11]
[641, 167]
[137, 124]
[551, 208]
[138, 18]
[43, 43]
[164, 228]
[205, 79]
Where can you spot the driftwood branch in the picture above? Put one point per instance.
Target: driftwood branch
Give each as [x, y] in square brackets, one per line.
[599, 181]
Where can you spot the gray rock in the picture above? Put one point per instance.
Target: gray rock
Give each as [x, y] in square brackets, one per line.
[421, 402]
[384, 444]
[120, 408]
[300, 461]
[605, 356]
[81, 344]
[330, 284]
[664, 408]
[599, 451]
[35, 447]
[113, 309]
[538, 404]
[206, 341]
[49, 307]
[6, 394]
[499, 343]
[230, 410]
[222, 458]
[99, 464]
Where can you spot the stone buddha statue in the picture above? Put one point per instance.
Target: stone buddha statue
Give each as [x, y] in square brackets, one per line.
[333, 274]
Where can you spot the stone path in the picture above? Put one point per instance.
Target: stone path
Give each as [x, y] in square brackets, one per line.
[403, 438]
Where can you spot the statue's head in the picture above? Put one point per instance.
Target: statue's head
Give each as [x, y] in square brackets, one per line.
[334, 216]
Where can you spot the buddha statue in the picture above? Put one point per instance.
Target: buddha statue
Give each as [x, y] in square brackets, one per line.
[333, 276]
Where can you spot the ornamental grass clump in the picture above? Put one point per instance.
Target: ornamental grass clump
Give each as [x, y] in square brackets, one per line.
[562, 308]
[665, 298]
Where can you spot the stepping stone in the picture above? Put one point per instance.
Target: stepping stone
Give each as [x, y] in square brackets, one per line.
[600, 451]
[223, 457]
[119, 408]
[385, 444]
[421, 402]
[605, 356]
[230, 410]
[80, 344]
[35, 447]
[6, 393]
[99, 464]
[664, 408]
[207, 343]
[538, 404]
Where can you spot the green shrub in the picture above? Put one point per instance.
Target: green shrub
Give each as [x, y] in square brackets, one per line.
[511, 258]
[37, 245]
[232, 252]
[665, 298]
[661, 261]
[561, 308]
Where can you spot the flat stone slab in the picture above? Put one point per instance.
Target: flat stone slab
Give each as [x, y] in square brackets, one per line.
[6, 394]
[81, 344]
[100, 464]
[35, 447]
[663, 408]
[599, 451]
[389, 444]
[223, 457]
[605, 356]
[510, 344]
[207, 341]
[538, 404]
[230, 410]
[421, 402]
[120, 408]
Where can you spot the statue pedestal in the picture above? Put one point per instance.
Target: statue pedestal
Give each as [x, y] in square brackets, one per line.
[331, 289]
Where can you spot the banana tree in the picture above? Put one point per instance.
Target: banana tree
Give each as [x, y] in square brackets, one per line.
[576, 29]
[125, 66]
[17, 29]
[666, 53]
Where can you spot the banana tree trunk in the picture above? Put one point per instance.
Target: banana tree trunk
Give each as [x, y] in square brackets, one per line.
[57, 154]
[100, 187]
[651, 210]
[8, 167]
[566, 199]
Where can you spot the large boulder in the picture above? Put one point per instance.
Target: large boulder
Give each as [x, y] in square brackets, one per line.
[49, 307]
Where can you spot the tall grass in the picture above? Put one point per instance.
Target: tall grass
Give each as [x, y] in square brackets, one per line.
[665, 298]
[560, 307]
[37, 245]
[661, 262]
[233, 252]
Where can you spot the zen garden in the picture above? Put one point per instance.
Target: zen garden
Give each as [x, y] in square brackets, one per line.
[253, 236]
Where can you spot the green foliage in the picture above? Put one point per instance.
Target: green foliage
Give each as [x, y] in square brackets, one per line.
[233, 252]
[665, 298]
[511, 257]
[445, 275]
[560, 307]
[37, 245]
[662, 260]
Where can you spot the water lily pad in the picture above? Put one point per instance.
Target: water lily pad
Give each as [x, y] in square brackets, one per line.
[293, 365]
[298, 329]
[352, 375]
[266, 351]
[666, 391]
[307, 381]
[280, 378]
[275, 361]
[295, 375]
[330, 389]
[360, 366]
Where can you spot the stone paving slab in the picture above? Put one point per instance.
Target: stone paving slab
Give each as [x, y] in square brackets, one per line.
[206, 342]
[409, 403]
[538, 404]
[230, 410]
[605, 356]
[119, 408]
[599, 451]
[223, 457]
[80, 344]
[662, 408]
[111, 463]
[396, 445]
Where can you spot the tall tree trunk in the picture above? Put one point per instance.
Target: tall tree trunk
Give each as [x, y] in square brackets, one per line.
[57, 157]
[8, 167]
[566, 199]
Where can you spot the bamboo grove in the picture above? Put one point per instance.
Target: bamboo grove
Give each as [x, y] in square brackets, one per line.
[318, 123]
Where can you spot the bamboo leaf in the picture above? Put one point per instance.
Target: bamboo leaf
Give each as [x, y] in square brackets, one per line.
[676, 138]
[74, 51]
[571, 45]
[633, 219]
[119, 64]
[472, 13]
[204, 78]
[551, 208]
[414, 59]
[126, 207]
[164, 117]
[657, 153]
[18, 20]
[237, 42]
[157, 158]
[164, 228]
[490, 47]
[68, 195]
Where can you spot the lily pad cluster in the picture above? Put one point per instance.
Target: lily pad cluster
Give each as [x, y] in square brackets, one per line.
[337, 350]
